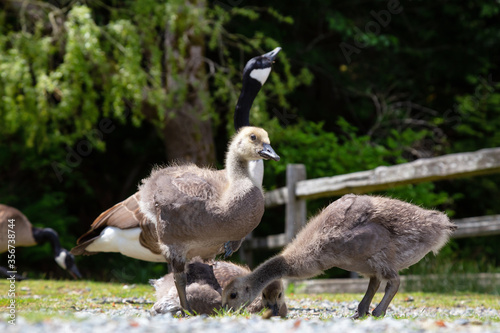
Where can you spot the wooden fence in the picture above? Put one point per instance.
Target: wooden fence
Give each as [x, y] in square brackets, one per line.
[299, 189]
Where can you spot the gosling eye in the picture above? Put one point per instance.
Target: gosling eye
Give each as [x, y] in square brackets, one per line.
[233, 295]
[253, 137]
[279, 296]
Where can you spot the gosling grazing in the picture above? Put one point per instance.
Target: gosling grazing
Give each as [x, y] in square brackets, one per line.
[374, 236]
[203, 291]
[197, 211]
[205, 283]
[272, 296]
[124, 229]
[24, 234]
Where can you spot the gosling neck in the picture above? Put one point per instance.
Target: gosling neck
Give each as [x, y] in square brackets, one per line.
[238, 168]
[271, 270]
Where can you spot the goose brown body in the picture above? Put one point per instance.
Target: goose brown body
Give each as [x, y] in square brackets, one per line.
[374, 236]
[126, 216]
[22, 228]
[197, 211]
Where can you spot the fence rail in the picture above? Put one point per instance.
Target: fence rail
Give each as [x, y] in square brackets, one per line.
[299, 189]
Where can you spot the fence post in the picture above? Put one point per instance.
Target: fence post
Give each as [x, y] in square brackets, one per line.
[295, 214]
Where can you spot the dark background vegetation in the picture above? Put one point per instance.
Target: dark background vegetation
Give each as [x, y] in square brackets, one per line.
[343, 96]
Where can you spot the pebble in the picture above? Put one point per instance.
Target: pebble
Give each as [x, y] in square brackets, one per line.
[305, 316]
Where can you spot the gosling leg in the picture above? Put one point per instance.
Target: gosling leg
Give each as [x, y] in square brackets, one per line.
[364, 305]
[390, 291]
[180, 280]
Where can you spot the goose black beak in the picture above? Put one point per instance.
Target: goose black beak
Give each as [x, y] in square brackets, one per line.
[268, 152]
[272, 55]
[75, 273]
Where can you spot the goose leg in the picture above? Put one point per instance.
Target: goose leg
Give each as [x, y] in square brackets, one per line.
[390, 291]
[180, 281]
[364, 305]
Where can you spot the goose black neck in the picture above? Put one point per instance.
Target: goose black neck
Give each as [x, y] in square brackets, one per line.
[249, 91]
[44, 235]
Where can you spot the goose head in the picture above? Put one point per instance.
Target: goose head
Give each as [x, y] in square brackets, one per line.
[67, 261]
[252, 143]
[259, 68]
[255, 74]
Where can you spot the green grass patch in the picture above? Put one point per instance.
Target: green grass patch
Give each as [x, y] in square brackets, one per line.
[42, 299]
[39, 300]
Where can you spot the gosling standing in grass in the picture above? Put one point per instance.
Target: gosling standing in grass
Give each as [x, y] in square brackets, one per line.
[196, 211]
[374, 236]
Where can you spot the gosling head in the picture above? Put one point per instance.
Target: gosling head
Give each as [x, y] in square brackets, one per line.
[252, 143]
[273, 298]
[237, 294]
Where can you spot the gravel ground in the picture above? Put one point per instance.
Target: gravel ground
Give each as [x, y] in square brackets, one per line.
[304, 316]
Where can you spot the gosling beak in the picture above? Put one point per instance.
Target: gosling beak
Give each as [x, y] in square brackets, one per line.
[272, 55]
[268, 152]
[75, 273]
[275, 309]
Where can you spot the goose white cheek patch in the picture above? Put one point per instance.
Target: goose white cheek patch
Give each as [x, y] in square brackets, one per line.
[61, 259]
[260, 74]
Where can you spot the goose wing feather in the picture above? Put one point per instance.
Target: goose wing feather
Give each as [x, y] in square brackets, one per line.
[123, 215]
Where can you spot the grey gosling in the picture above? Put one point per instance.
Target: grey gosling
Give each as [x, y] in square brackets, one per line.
[374, 236]
[28, 235]
[205, 283]
[272, 296]
[124, 229]
[203, 291]
[196, 211]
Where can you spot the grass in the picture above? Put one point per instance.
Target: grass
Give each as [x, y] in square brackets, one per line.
[417, 299]
[38, 300]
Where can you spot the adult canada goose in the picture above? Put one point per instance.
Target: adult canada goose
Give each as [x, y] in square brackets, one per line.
[374, 236]
[124, 229]
[205, 283]
[197, 211]
[24, 234]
